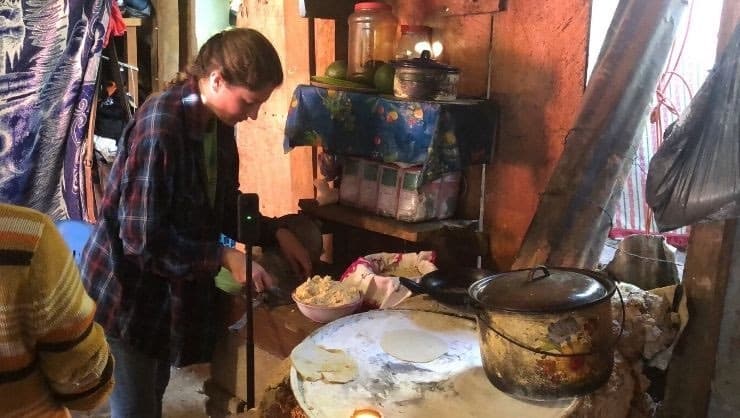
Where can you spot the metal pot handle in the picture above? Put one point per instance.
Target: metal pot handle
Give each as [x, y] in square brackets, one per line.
[545, 272]
[482, 317]
[624, 310]
[411, 285]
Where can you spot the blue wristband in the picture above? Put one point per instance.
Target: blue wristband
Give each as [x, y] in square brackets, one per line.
[225, 241]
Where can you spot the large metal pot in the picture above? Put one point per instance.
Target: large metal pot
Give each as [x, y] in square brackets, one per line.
[425, 79]
[546, 333]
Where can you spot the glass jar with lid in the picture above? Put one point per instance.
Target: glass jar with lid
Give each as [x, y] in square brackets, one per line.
[414, 40]
[372, 35]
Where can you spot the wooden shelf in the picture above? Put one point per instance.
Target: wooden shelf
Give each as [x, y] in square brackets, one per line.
[340, 9]
[412, 232]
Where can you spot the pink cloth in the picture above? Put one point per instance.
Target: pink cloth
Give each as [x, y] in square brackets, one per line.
[376, 275]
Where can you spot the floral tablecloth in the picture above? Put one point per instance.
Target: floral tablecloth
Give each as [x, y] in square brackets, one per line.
[442, 137]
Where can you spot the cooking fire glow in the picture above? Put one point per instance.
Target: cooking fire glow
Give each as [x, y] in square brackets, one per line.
[366, 413]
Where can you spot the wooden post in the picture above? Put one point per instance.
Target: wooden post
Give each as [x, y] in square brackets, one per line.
[165, 43]
[704, 373]
[336, 10]
[691, 371]
[280, 180]
[131, 52]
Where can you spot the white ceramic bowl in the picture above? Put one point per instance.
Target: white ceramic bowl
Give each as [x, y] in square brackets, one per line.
[324, 314]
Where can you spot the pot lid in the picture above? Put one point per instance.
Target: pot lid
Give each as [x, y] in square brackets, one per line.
[425, 62]
[542, 289]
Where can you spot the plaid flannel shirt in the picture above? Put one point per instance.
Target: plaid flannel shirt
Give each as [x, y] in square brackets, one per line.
[151, 260]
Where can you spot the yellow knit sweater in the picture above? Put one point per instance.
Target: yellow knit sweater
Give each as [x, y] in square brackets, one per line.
[52, 355]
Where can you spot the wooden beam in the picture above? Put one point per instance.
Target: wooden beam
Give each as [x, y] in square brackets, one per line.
[691, 369]
[467, 7]
[415, 12]
[131, 56]
[723, 401]
[165, 43]
[339, 9]
[280, 179]
[326, 9]
[418, 232]
[573, 217]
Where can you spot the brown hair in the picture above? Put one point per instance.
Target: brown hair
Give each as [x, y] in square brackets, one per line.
[244, 57]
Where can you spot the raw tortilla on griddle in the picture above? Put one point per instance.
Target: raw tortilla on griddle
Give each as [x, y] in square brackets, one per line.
[413, 345]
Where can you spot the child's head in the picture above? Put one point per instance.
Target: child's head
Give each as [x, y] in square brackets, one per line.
[237, 70]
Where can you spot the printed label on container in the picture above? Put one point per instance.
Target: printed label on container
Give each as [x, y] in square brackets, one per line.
[448, 195]
[369, 185]
[349, 189]
[410, 200]
[390, 178]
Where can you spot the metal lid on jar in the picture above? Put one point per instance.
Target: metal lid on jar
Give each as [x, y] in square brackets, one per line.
[425, 62]
[542, 290]
[372, 5]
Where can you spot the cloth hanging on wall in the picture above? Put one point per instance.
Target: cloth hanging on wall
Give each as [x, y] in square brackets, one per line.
[49, 56]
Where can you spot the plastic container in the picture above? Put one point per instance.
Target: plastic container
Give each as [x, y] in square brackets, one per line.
[369, 182]
[449, 190]
[416, 202]
[413, 41]
[390, 180]
[372, 35]
[349, 188]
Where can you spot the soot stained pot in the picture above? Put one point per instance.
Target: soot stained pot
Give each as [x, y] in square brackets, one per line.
[546, 333]
[425, 79]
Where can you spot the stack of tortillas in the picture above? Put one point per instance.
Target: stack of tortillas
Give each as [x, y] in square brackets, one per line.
[315, 362]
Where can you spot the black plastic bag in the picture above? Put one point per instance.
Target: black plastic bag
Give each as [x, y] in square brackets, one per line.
[695, 174]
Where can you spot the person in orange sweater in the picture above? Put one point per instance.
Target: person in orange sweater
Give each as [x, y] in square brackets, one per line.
[53, 357]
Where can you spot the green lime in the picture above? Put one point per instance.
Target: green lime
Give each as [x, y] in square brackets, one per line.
[337, 69]
[366, 73]
[383, 78]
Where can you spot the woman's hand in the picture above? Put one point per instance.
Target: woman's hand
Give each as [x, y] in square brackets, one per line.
[235, 261]
[295, 252]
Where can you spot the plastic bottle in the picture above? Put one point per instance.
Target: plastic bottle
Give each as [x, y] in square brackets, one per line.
[414, 40]
[372, 35]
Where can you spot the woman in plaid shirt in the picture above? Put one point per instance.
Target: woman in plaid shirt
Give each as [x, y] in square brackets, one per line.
[172, 191]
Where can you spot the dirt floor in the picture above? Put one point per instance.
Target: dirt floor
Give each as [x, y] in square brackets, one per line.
[183, 398]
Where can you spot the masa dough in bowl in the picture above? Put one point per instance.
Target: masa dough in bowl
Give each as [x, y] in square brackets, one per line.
[324, 291]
